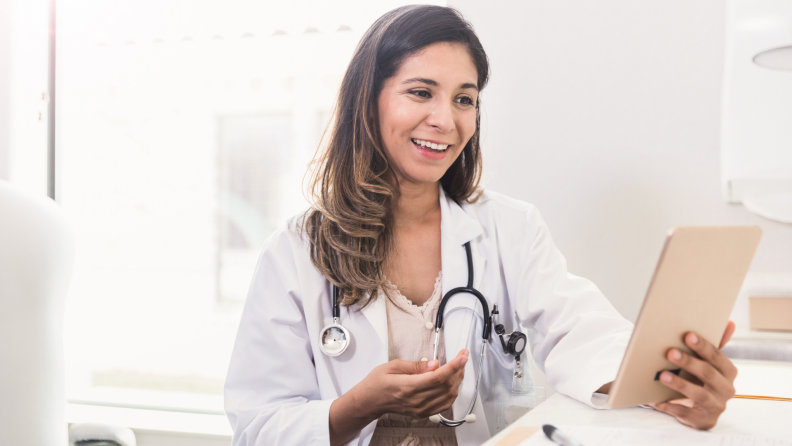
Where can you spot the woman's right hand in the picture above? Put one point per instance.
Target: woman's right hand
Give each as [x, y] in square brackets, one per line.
[418, 389]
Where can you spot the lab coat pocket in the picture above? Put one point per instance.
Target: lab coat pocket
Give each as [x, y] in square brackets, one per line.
[506, 398]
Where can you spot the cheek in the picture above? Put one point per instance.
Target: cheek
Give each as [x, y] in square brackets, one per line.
[404, 119]
[397, 126]
[467, 126]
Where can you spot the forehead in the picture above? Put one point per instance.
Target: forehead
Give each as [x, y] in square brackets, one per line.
[445, 63]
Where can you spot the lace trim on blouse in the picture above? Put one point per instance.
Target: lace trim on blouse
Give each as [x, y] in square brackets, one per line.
[400, 298]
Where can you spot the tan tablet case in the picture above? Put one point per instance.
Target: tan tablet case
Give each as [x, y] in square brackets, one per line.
[695, 285]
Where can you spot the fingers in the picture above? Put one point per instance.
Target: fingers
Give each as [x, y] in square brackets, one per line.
[715, 371]
[455, 366]
[727, 334]
[712, 378]
[712, 355]
[438, 403]
[676, 410]
[443, 389]
[399, 367]
[432, 392]
[687, 416]
[698, 394]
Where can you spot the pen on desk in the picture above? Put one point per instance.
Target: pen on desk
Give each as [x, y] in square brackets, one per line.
[556, 436]
[757, 397]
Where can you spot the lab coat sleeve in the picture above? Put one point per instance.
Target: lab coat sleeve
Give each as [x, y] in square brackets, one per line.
[271, 391]
[577, 337]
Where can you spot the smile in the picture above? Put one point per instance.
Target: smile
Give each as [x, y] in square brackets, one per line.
[431, 145]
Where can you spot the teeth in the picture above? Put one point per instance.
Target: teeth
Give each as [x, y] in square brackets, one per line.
[433, 146]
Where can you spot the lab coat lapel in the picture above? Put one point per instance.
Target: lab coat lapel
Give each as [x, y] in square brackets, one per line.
[376, 314]
[460, 314]
[457, 228]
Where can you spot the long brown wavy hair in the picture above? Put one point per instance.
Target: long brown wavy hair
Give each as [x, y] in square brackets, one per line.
[350, 226]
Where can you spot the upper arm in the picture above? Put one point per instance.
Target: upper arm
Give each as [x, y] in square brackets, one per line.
[271, 377]
[577, 337]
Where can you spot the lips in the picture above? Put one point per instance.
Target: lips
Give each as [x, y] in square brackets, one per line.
[428, 152]
[436, 147]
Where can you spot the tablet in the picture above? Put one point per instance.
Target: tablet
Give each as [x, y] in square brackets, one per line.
[694, 287]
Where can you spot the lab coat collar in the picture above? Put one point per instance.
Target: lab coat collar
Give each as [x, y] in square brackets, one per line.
[457, 225]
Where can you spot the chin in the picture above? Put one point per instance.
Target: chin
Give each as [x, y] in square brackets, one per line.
[425, 175]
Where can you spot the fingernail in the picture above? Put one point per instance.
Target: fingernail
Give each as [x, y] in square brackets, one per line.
[693, 339]
[676, 355]
[666, 377]
[464, 360]
[433, 363]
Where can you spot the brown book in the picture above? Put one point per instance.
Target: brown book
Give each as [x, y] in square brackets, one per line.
[772, 313]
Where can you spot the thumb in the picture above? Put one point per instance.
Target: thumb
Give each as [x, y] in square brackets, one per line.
[727, 334]
[412, 367]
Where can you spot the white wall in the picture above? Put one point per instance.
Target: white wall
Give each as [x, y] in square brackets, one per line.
[606, 115]
[5, 86]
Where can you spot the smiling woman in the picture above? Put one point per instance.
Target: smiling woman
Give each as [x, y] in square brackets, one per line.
[415, 76]
[396, 200]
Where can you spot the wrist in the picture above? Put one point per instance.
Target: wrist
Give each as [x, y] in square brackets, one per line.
[365, 402]
[605, 388]
[348, 416]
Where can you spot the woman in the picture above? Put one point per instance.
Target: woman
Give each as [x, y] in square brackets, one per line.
[396, 200]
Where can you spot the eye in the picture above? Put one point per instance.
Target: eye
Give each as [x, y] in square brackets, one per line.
[465, 100]
[421, 93]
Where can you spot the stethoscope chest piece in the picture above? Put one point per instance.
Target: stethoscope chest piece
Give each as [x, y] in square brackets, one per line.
[335, 338]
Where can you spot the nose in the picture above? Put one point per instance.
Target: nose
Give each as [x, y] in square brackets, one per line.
[441, 117]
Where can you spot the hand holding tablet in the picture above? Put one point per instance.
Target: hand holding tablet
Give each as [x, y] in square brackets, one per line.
[715, 374]
[672, 353]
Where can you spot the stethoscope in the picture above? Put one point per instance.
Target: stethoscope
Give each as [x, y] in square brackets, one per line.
[334, 338]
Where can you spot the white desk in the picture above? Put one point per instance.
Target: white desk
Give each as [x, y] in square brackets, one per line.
[742, 416]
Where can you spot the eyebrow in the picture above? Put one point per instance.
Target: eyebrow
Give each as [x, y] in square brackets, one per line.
[434, 83]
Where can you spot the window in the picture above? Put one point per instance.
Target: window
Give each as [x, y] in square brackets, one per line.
[255, 167]
[24, 98]
[185, 130]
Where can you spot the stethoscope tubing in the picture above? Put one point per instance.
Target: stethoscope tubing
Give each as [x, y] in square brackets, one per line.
[456, 423]
[485, 336]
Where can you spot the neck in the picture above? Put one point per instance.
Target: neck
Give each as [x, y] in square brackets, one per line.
[416, 204]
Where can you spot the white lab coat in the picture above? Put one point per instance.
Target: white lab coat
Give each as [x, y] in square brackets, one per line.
[280, 385]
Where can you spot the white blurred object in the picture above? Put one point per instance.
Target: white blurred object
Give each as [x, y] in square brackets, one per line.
[36, 256]
[773, 205]
[757, 107]
[778, 58]
[103, 432]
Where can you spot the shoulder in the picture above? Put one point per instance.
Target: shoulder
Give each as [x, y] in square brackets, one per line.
[284, 263]
[289, 241]
[502, 213]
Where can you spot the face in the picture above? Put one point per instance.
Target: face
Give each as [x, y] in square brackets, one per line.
[427, 112]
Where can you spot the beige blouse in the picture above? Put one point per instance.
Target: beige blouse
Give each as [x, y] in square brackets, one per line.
[411, 337]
